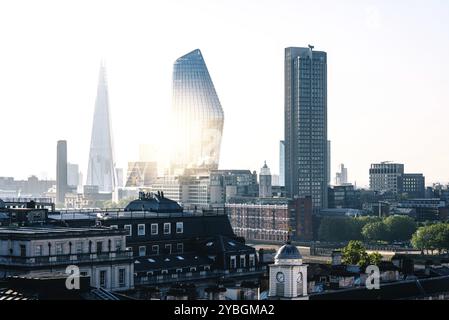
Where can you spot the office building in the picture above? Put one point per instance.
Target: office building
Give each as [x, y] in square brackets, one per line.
[386, 177]
[265, 190]
[73, 176]
[282, 163]
[101, 167]
[271, 219]
[341, 177]
[413, 185]
[141, 174]
[306, 143]
[227, 184]
[197, 116]
[61, 172]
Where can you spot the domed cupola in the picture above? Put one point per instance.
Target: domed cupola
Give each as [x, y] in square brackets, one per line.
[288, 254]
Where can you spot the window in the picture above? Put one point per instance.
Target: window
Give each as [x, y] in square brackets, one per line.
[168, 248]
[83, 273]
[155, 249]
[142, 251]
[79, 247]
[118, 245]
[233, 262]
[59, 248]
[242, 261]
[252, 260]
[154, 229]
[180, 247]
[99, 246]
[129, 229]
[121, 277]
[103, 278]
[38, 250]
[167, 228]
[178, 270]
[179, 227]
[141, 230]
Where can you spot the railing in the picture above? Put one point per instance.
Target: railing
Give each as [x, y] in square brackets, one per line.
[94, 214]
[197, 275]
[25, 200]
[65, 259]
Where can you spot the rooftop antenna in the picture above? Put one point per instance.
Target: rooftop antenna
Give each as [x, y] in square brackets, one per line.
[311, 47]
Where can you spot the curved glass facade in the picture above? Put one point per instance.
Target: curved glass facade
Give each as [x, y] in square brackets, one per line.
[197, 114]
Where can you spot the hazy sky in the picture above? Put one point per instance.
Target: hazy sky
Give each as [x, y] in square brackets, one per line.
[388, 77]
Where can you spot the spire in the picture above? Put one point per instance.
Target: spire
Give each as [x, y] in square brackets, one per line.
[101, 167]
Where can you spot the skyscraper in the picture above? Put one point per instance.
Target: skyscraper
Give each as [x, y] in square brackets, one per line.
[61, 172]
[265, 189]
[101, 168]
[282, 163]
[341, 178]
[306, 125]
[197, 114]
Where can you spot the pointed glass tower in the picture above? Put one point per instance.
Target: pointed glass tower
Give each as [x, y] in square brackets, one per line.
[197, 114]
[101, 168]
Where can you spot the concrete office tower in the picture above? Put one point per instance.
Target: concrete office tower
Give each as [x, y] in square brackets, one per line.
[265, 190]
[197, 115]
[101, 168]
[282, 163]
[61, 172]
[306, 144]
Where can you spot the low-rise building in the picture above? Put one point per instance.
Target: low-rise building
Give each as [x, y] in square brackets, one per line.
[99, 253]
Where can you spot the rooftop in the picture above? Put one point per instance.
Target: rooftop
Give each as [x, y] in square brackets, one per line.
[55, 232]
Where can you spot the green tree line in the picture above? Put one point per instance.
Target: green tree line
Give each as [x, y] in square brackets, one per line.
[368, 228]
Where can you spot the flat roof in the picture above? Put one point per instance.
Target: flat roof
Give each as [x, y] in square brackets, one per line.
[51, 232]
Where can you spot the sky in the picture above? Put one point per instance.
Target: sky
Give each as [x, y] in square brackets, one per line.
[388, 78]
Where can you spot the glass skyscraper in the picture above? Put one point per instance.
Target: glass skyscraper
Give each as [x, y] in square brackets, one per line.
[306, 147]
[197, 114]
[101, 168]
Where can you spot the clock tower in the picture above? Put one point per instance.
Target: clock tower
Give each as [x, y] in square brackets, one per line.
[288, 276]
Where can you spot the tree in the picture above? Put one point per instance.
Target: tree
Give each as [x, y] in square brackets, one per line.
[375, 258]
[355, 253]
[400, 228]
[375, 231]
[432, 237]
[339, 229]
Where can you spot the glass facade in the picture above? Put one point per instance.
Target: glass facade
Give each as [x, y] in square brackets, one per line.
[197, 113]
[306, 144]
[101, 168]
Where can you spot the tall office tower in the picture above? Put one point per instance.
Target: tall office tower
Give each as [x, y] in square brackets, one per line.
[73, 173]
[197, 114]
[119, 175]
[282, 163]
[101, 168]
[306, 146]
[328, 162]
[386, 177]
[265, 190]
[61, 172]
[341, 178]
